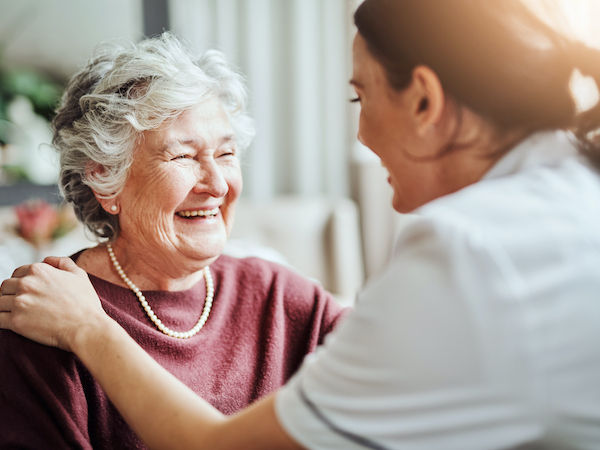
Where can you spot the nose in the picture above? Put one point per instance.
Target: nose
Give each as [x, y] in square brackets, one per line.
[211, 180]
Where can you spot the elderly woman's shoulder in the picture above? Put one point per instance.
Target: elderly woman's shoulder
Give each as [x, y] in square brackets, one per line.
[257, 272]
[24, 355]
[255, 266]
[278, 288]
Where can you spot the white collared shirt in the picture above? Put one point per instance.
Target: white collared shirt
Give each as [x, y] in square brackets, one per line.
[483, 332]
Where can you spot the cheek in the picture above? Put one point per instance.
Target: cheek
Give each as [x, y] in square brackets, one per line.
[370, 119]
[170, 188]
[369, 132]
[159, 191]
[233, 177]
[362, 127]
[235, 184]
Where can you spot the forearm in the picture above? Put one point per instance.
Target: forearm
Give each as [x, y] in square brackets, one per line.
[159, 408]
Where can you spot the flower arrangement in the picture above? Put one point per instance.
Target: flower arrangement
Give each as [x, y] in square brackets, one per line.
[39, 222]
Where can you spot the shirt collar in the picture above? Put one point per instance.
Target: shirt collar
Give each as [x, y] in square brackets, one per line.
[540, 149]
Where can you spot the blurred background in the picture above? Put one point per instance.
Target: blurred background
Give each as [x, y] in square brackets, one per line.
[313, 198]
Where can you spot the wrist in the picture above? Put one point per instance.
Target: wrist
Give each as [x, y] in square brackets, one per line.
[88, 334]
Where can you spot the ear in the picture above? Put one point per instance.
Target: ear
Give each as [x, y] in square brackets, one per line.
[428, 99]
[110, 205]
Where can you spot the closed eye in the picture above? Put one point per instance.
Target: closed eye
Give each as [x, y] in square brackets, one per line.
[182, 156]
[228, 152]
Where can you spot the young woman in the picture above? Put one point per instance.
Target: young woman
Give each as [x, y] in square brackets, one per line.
[482, 332]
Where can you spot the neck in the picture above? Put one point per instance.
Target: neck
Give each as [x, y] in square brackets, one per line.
[150, 272]
[477, 148]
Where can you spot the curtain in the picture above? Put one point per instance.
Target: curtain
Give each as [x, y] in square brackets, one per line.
[296, 57]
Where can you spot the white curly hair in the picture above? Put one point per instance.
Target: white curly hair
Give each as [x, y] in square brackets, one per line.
[124, 90]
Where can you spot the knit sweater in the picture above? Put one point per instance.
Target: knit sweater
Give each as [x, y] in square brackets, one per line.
[264, 320]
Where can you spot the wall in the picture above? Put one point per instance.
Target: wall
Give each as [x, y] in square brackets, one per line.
[59, 35]
[295, 55]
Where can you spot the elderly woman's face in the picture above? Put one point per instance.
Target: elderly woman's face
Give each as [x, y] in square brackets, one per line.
[179, 198]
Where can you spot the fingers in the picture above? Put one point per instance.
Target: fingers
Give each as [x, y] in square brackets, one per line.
[62, 263]
[26, 279]
[6, 303]
[50, 263]
[20, 272]
[9, 286]
[7, 289]
[5, 320]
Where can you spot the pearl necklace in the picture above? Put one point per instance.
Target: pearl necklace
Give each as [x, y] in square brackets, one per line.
[210, 292]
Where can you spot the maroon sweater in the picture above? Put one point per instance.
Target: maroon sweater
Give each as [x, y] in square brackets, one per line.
[264, 320]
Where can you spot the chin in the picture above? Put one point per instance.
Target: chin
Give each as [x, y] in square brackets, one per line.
[404, 207]
[198, 261]
[202, 253]
[209, 252]
[207, 261]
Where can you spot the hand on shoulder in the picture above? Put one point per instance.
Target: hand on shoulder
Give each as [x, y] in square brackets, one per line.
[50, 302]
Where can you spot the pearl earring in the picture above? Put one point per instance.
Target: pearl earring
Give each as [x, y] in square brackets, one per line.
[113, 208]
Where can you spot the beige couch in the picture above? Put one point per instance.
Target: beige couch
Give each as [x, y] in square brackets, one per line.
[318, 237]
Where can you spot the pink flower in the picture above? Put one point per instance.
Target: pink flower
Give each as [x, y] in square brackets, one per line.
[37, 221]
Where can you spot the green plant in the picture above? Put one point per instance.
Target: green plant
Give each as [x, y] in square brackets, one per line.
[40, 88]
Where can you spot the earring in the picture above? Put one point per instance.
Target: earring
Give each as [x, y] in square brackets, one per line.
[113, 208]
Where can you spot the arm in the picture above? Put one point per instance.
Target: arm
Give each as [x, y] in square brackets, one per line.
[58, 306]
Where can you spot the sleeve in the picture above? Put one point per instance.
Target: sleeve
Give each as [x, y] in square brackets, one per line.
[414, 366]
[42, 404]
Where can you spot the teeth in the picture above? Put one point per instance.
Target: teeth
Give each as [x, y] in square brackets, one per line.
[201, 213]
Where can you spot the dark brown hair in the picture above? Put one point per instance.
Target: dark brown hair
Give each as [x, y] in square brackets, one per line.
[495, 57]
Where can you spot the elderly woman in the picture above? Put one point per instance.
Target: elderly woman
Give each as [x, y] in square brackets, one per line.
[150, 143]
[483, 331]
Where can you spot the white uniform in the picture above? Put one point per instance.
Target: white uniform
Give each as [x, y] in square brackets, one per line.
[483, 332]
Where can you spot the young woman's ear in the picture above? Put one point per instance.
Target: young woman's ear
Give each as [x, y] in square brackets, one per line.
[110, 205]
[429, 99]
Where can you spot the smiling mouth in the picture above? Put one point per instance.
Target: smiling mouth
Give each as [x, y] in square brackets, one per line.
[188, 214]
